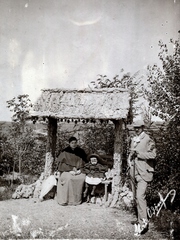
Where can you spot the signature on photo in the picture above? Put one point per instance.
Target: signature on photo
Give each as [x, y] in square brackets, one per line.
[155, 210]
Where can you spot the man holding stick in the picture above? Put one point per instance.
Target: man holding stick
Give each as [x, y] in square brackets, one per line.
[141, 162]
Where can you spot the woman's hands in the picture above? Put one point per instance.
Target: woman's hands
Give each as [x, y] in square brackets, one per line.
[75, 171]
[78, 172]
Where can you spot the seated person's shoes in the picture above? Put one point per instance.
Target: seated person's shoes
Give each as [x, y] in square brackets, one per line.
[64, 204]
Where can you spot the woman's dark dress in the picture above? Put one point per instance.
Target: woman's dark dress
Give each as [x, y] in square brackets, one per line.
[69, 188]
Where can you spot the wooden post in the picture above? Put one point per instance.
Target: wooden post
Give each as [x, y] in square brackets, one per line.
[50, 155]
[51, 146]
[117, 167]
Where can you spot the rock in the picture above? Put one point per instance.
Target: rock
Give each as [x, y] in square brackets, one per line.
[108, 202]
[93, 200]
[2, 189]
[115, 199]
[24, 191]
[38, 186]
[122, 194]
[36, 233]
[99, 201]
[127, 201]
[17, 193]
[29, 191]
[130, 195]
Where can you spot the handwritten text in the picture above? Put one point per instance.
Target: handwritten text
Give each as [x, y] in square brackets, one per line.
[155, 210]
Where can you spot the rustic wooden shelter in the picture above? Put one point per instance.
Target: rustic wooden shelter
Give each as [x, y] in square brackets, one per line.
[87, 104]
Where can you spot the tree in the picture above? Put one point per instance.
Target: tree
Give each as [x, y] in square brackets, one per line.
[22, 143]
[127, 81]
[164, 83]
[20, 133]
[163, 94]
[6, 158]
[21, 107]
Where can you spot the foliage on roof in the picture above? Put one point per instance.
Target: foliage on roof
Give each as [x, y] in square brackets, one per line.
[110, 103]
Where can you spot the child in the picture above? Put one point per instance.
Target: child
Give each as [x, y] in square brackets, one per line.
[95, 172]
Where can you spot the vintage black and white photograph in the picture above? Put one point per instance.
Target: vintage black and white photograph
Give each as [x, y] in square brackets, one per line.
[90, 119]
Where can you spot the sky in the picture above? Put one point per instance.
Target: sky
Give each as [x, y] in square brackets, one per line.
[67, 43]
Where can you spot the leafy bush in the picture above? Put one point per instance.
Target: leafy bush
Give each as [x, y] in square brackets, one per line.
[8, 189]
[168, 223]
[164, 95]
[167, 167]
[91, 137]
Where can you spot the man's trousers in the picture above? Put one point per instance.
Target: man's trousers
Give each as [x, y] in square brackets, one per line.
[139, 187]
[141, 198]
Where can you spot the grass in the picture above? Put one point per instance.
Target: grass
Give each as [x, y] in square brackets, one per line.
[8, 190]
[167, 222]
[27, 233]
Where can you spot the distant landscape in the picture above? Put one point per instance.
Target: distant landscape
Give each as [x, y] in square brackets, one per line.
[37, 127]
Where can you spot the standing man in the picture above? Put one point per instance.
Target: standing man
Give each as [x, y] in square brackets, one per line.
[141, 162]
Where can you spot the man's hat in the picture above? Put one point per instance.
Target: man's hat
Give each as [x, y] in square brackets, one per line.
[138, 123]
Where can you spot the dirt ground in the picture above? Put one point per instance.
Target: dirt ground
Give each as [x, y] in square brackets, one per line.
[48, 220]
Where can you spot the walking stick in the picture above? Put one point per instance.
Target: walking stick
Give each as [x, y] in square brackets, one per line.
[134, 183]
[131, 172]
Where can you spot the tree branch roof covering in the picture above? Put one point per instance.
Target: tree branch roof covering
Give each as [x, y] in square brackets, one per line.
[105, 103]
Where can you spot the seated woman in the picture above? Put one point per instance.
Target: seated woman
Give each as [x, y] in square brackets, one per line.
[71, 180]
[95, 172]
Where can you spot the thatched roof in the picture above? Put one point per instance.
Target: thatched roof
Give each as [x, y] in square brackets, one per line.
[83, 104]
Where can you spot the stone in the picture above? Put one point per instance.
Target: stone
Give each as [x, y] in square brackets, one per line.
[2, 189]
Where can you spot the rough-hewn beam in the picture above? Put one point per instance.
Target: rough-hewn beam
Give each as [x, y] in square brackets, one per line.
[117, 167]
[51, 146]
